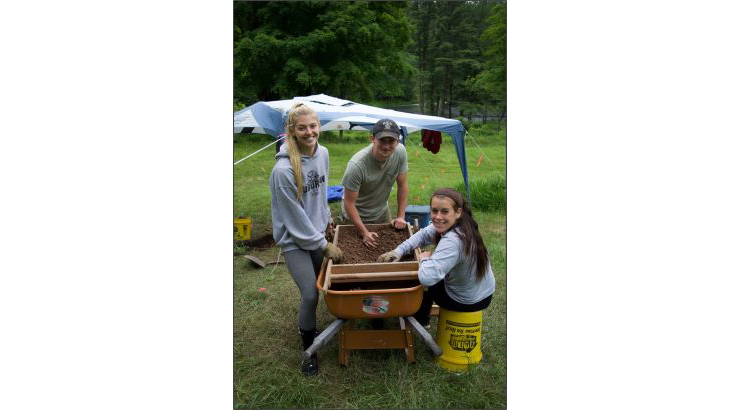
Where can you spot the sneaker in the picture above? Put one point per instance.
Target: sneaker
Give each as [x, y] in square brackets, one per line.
[310, 366]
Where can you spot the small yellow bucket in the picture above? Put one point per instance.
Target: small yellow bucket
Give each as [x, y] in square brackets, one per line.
[459, 336]
[243, 227]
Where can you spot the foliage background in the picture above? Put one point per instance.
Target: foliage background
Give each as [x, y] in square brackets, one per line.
[447, 57]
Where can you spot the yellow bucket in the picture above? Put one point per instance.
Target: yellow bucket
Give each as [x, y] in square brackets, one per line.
[459, 336]
[243, 229]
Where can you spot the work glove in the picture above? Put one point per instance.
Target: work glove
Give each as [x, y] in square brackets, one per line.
[391, 256]
[333, 252]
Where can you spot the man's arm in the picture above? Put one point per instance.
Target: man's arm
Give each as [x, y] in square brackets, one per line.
[350, 198]
[402, 195]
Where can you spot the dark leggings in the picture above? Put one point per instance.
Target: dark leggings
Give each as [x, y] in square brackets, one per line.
[437, 293]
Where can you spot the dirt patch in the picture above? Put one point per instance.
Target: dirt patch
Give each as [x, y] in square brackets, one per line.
[263, 242]
[266, 241]
[355, 251]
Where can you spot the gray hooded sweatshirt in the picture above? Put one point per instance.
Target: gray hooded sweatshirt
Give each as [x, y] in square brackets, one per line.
[300, 225]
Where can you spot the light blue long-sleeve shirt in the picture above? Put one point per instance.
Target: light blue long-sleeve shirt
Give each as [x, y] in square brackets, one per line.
[449, 263]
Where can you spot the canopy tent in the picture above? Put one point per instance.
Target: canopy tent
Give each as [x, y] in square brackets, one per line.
[337, 114]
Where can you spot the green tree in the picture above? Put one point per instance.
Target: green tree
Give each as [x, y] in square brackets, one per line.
[421, 14]
[353, 50]
[447, 43]
[490, 84]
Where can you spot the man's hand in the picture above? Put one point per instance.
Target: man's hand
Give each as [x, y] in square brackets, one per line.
[391, 256]
[370, 239]
[333, 252]
[398, 223]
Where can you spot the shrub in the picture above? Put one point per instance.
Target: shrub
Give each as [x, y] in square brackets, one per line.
[465, 123]
[487, 195]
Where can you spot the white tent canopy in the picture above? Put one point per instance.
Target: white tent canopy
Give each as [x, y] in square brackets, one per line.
[337, 114]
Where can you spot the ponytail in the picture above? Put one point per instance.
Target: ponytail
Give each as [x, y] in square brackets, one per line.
[294, 154]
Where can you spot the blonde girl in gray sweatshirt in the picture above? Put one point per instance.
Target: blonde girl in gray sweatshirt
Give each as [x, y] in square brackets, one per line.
[301, 215]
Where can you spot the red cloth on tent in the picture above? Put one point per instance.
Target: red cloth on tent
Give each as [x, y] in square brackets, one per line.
[431, 140]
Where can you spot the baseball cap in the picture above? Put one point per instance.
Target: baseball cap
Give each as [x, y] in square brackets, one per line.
[386, 128]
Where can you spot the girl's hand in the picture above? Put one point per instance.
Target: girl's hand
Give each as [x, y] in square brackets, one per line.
[425, 255]
[391, 256]
[333, 252]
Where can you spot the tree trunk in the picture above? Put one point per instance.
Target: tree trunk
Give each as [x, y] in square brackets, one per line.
[423, 45]
[449, 100]
[432, 109]
[422, 96]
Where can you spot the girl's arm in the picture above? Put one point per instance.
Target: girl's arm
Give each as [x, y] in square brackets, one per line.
[421, 238]
[446, 255]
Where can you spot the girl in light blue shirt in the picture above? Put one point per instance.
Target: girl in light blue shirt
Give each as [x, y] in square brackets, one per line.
[458, 274]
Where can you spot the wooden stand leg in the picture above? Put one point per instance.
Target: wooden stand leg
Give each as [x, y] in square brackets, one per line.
[343, 348]
[406, 328]
[435, 310]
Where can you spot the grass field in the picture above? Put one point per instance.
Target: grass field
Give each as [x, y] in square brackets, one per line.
[266, 341]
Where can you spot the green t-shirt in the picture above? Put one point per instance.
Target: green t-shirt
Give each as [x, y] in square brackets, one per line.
[373, 183]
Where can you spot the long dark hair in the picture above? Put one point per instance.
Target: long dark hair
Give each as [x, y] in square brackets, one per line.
[467, 229]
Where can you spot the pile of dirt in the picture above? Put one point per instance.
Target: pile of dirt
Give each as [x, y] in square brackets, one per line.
[354, 251]
[263, 242]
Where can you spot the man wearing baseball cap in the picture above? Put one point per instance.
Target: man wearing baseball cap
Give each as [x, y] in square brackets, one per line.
[368, 181]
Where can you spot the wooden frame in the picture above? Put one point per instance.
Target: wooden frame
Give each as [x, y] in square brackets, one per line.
[369, 272]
